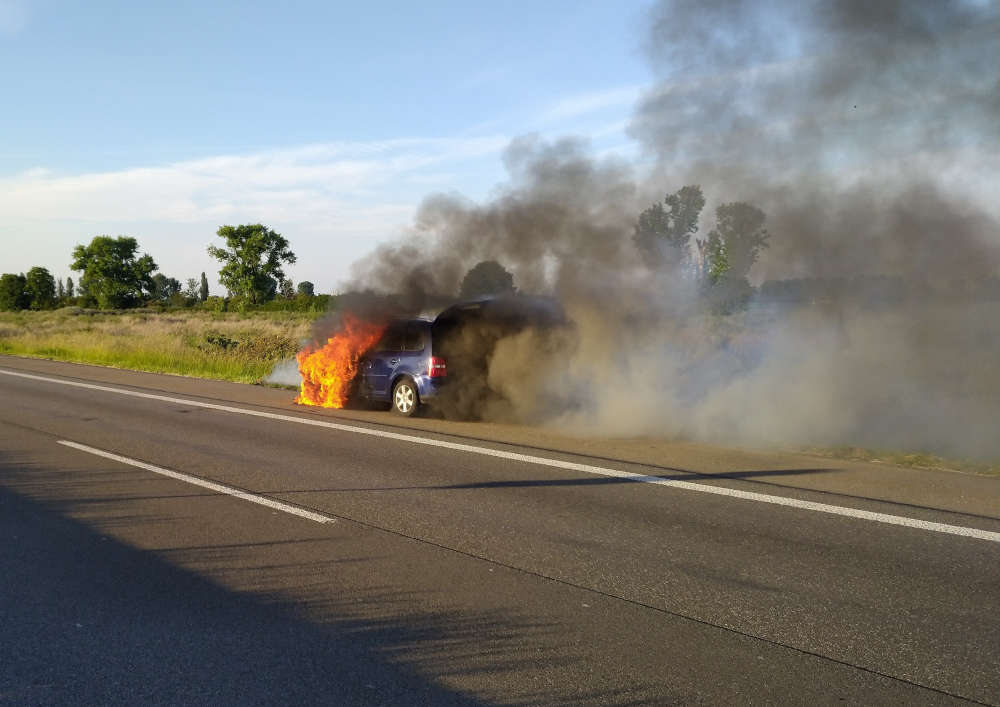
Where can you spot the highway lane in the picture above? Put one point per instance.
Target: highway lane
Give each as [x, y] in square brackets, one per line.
[596, 588]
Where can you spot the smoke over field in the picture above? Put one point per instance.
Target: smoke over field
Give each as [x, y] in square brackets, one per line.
[869, 135]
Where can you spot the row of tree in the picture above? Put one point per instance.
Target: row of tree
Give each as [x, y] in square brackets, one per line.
[114, 275]
[36, 290]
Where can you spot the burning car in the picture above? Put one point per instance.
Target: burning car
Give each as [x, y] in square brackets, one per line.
[374, 363]
[413, 362]
[402, 368]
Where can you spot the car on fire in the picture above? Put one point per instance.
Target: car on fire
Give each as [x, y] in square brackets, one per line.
[401, 368]
[422, 361]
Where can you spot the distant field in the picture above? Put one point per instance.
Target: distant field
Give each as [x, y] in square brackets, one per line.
[233, 346]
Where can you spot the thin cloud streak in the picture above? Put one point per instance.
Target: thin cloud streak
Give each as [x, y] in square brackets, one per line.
[333, 200]
[192, 190]
[582, 104]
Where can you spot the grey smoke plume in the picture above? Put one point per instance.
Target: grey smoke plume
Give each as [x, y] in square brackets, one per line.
[870, 135]
[868, 131]
[560, 218]
[285, 372]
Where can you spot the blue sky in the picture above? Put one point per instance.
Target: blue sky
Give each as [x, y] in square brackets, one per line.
[327, 121]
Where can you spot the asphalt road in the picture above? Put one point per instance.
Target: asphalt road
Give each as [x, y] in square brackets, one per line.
[431, 573]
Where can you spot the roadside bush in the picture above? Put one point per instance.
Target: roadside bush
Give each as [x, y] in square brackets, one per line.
[299, 303]
[249, 346]
[267, 347]
[216, 342]
[214, 304]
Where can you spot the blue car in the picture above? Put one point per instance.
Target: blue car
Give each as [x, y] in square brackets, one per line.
[407, 367]
[401, 369]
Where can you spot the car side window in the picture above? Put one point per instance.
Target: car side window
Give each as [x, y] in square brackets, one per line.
[392, 339]
[414, 338]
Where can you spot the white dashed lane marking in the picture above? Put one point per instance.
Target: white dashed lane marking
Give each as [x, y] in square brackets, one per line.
[844, 511]
[218, 488]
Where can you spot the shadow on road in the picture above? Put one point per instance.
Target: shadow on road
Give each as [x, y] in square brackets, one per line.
[89, 619]
[591, 481]
[579, 481]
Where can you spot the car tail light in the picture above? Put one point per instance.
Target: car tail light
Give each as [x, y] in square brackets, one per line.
[437, 368]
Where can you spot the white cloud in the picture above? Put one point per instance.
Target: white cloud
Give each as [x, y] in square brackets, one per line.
[333, 201]
[588, 103]
[314, 178]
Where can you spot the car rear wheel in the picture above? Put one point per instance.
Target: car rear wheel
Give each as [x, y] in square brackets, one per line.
[404, 398]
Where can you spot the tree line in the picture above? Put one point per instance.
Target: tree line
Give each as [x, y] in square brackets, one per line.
[114, 275]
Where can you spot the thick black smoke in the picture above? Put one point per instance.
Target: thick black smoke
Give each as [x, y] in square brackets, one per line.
[869, 133]
[560, 219]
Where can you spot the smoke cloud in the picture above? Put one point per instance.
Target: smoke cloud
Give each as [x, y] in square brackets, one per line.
[867, 131]
[869, 134]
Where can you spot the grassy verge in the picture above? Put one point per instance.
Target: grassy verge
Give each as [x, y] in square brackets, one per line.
[244, 347]
[916, 460]
[240, 347]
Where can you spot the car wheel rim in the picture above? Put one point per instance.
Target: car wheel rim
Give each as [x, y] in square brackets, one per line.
[404, 398]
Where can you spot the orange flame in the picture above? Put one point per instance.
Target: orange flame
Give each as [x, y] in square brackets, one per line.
[327, 371]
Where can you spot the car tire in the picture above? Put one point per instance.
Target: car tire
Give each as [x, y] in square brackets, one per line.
[405, 399]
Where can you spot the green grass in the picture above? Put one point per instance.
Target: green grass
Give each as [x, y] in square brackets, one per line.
[916, 460]
[232, 346]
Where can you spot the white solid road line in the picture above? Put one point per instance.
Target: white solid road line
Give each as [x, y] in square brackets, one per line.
[556, 463]
[228, 490]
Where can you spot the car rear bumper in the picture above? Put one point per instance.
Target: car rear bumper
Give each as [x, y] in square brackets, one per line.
[428, 388]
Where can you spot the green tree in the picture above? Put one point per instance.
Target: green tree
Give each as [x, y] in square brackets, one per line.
[60, 290]
[306, 289]
[69, 288]
[113, 275]
[739, 228]
[203, 291]
[12, 292]
[270, 289]
[663, 231]
[731, 249]
[717, 262]
[251, 261]
[486, 278]
[164, 288]
[287, 289]
[40, 288]
[192, 290]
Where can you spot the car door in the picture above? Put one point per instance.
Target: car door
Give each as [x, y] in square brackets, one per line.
[412, 359]
[382, 360]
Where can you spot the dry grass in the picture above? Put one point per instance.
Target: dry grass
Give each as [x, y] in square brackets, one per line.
[916, 460]
[227, 346]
